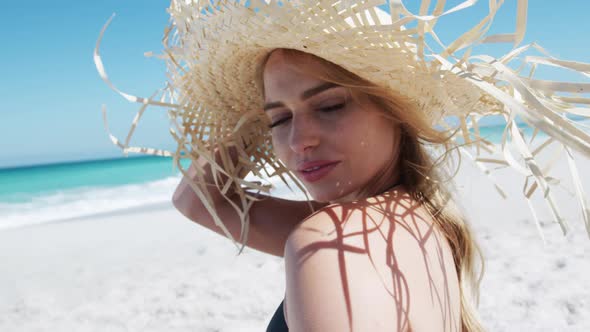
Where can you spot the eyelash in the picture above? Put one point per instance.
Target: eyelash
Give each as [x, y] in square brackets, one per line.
[327, 109]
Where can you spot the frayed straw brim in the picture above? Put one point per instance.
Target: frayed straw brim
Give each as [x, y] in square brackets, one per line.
[214, 51]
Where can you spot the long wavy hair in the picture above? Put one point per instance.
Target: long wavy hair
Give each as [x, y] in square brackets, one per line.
[426, 179]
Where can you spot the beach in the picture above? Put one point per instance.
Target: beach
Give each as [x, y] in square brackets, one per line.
[136, 271]
[151, 269]
[98, 97]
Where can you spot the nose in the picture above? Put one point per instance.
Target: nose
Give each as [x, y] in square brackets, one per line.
[304, 133]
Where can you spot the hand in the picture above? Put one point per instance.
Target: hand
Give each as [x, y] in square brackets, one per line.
[228, 162]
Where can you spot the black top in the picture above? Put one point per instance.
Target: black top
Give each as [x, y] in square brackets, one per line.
[277, 322]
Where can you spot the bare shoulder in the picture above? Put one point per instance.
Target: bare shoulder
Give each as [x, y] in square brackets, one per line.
[376, 265]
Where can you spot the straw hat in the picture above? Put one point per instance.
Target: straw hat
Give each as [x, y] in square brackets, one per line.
[214, 50]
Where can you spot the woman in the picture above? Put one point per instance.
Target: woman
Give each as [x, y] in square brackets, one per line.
[355, 147]
[358, 109]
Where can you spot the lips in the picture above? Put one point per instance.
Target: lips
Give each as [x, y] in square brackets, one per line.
[316, 170]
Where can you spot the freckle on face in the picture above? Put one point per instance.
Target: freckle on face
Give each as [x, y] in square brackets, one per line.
[359, 141]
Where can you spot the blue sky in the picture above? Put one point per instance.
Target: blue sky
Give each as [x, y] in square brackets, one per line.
[52, 95]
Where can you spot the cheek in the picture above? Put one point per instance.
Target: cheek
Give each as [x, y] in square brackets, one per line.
[375, 142]
[357, 133]
[280, 146]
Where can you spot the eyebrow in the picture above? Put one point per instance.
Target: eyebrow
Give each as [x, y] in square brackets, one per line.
[305, 95]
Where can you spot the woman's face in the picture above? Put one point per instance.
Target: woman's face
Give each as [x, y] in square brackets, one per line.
[332, 144]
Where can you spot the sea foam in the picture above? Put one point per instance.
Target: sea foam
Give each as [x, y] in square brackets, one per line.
[82, 202]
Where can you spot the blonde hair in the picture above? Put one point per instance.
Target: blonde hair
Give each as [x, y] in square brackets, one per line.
[418, 173]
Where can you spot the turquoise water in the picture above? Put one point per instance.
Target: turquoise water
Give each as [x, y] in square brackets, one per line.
[494, 133]
[46, 193]
[20, 184]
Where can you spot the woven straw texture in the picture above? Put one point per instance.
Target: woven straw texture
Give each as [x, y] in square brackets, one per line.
[214, 49]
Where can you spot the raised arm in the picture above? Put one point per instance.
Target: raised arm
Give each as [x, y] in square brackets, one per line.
[271, 219]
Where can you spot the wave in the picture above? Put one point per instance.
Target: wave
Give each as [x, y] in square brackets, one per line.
[84, 202]
[89, 201]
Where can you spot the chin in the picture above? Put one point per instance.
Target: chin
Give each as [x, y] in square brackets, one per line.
[329, 196]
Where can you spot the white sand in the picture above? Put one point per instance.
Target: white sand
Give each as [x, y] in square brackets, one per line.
[156, 271]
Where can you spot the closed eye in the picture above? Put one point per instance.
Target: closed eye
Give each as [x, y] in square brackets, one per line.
[332, 108]
[280, 121]
[326, 109]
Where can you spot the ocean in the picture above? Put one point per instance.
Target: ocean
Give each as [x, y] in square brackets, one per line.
[58, 192]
